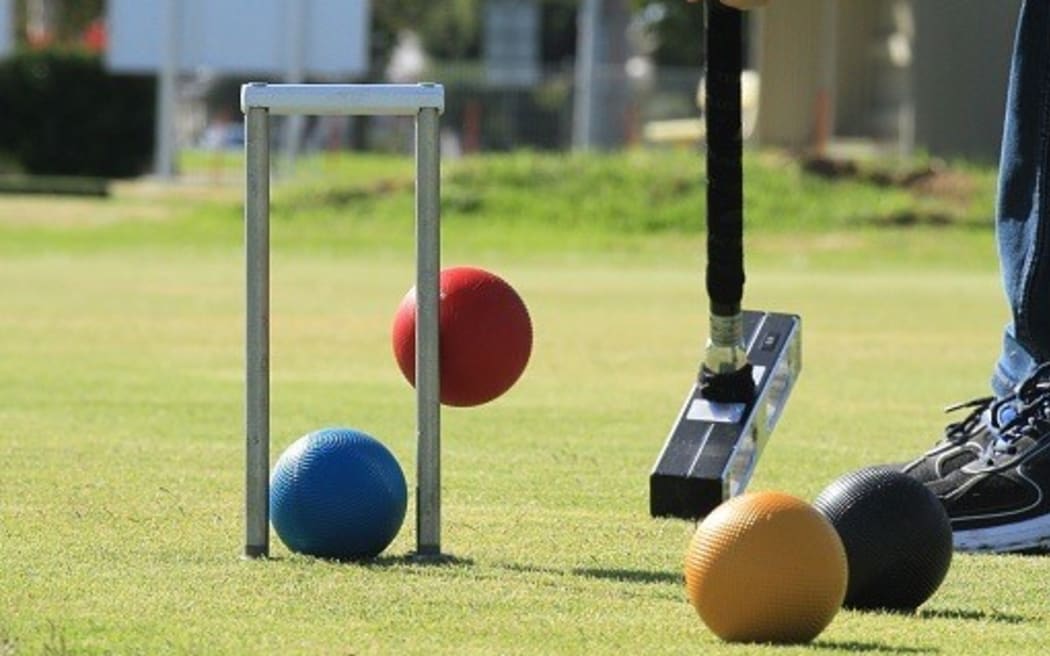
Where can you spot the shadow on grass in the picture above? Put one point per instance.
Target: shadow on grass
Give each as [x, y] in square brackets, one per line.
[415, 560]
[617, 575]
[1037, 552]
[644, 577]
[531, 569]
[644, 582]
[379, 562]
[629, 575]
[855, 646]
[973, 615]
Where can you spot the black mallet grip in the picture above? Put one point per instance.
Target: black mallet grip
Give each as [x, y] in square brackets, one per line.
[725, 194]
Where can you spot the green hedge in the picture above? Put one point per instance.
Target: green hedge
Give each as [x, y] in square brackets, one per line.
[62, 113]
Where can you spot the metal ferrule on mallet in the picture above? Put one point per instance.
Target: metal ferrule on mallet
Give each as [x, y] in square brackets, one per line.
[725, 353]
[726, 375]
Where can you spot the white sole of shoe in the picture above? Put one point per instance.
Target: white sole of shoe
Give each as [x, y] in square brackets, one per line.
[1031, 534]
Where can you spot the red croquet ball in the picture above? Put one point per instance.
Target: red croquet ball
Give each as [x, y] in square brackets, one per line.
[485, 336]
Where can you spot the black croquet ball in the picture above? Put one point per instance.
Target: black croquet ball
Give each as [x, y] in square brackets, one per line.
[897, 536]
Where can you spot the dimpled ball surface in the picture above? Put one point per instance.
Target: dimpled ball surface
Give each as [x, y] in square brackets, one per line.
[485, 336]
[337, 493]
[766, 567]
[898, 538]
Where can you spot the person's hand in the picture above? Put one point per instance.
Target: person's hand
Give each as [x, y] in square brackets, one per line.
[742, 5]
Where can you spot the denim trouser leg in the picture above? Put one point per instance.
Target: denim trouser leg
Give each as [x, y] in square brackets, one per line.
[1023, 211]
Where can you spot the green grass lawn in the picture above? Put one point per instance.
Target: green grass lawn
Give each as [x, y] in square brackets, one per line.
[121, 407]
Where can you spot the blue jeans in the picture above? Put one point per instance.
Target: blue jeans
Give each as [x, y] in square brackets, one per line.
[1023, 207]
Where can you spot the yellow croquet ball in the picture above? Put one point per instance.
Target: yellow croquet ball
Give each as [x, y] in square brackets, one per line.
[766, 567]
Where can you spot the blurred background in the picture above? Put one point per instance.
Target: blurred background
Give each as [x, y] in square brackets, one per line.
[118, 88]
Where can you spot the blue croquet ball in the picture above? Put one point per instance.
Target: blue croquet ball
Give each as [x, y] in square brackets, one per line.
[337, 493]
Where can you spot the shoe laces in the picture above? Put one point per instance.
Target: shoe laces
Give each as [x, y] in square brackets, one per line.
[1031, 404]
[959, 431]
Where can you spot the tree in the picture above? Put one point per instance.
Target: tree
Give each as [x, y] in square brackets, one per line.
[453, 29]
[42, 22]
[679, 33]
[449, 29]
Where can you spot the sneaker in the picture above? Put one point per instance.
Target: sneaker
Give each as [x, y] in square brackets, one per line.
[963, 442]
[1000, 501]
